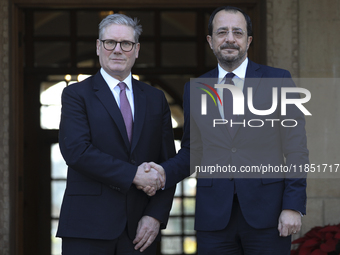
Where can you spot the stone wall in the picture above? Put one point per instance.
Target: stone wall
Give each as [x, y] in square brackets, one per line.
[319, 57]
[302, 37]
[283, 35]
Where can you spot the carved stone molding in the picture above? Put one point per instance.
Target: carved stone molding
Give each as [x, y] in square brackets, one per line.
[295, 38]
[270, 34]
[283, 35]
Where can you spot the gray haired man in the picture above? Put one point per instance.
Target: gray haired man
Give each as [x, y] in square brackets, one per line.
[111, 124]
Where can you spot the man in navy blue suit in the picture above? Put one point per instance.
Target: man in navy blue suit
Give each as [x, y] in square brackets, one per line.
[244, 215]
[111, 124]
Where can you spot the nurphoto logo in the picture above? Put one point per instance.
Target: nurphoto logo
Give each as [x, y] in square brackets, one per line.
[238, 104]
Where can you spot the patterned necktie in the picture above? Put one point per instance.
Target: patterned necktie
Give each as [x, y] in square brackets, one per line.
[228, 103]
[125, 110]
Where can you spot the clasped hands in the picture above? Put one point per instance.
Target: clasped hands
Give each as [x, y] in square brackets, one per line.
[150, 177]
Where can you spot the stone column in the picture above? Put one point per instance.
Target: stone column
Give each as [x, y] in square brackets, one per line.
[302, 37]
[283, 35]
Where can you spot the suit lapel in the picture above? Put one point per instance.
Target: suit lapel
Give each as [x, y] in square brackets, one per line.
[252, 73]
[212, 109]
[252, 80]
[253, 77]
[140, 111]
[210, 79]
[104, 94]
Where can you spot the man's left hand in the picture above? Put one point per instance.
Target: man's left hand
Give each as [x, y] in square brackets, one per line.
[289, 222]
[147, 231]
[151, 191]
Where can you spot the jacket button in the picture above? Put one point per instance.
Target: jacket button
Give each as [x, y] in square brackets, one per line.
[132, 161]
[233, 149]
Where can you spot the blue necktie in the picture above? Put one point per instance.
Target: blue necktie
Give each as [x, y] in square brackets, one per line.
[228, 103]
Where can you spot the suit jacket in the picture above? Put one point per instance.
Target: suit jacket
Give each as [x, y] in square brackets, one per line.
[100, 199]
[261, 198]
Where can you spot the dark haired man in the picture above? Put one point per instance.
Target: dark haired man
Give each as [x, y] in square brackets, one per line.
[242, 215]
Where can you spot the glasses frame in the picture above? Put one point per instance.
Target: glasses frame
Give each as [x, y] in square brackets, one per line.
[120, 44]
[226, 33]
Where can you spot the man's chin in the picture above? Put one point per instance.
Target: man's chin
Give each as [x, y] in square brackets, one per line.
[229, 59]
[117, 68]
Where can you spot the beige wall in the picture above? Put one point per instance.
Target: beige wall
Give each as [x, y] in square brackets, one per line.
[282, 35]
[319, 56]
[303, 38]
[319, 24]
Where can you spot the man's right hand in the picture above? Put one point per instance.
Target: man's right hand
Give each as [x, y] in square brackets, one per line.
[149, 178]
[150, 191]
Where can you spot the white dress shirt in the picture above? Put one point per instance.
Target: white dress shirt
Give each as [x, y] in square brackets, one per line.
[113, 84]
[238, 79]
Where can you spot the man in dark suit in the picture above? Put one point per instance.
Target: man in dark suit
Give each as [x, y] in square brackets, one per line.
[110, 124]
[237, 213]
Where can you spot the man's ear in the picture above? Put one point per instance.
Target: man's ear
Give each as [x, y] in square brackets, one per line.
[250, 39]
[137, 49]
[209, 41]
[97, 46]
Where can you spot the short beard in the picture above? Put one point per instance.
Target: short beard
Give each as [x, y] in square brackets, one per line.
[229, 61]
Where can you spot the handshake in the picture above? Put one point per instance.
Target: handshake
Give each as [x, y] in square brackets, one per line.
[150, 177]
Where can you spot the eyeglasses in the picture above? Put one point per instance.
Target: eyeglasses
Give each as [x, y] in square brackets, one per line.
[124, 45]
[237, 33]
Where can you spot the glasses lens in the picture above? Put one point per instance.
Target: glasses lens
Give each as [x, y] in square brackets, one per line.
[126, 45]
[238, 33]
[110, 44]
[222, 33]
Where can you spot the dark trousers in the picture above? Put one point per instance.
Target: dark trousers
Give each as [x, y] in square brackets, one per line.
[120, 246]
[239, 238]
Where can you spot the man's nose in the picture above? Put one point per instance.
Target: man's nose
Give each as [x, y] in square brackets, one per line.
[117, 49]
[230, 37]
